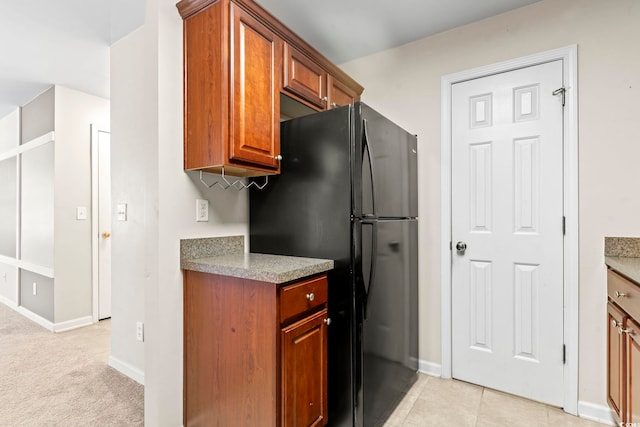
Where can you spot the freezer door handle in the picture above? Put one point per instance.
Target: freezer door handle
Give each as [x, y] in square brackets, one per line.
[365, 147]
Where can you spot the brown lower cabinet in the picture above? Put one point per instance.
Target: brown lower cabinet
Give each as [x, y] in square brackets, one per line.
[254, 352]
[623, 343]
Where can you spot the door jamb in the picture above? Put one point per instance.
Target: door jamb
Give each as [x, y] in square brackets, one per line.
[95, 232]
[569, 56]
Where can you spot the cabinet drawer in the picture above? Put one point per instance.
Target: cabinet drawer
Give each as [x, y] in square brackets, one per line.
[624, 293]
[302, 296]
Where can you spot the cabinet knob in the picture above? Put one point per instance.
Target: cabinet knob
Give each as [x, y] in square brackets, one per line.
[325, 99]
[615, 324]
[311, 296]
[106, 234]
[278, 157]
[327, 321]
[620, 294]
[334, 105]
[626, 331]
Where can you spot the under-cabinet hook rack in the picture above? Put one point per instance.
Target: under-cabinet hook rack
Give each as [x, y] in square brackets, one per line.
[237, 184]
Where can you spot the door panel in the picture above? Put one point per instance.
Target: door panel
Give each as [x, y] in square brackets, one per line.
[390, 327]
[389, 166]
[632, 371]
[388, 330]
[507, 204]
[615, 351]
[304, 373]
[104, 225]
[257, 59]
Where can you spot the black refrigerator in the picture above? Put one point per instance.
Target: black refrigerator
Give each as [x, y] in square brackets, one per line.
[348, 192]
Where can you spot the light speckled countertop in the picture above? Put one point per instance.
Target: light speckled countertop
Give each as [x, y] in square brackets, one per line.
[227, 258]
[623, 255]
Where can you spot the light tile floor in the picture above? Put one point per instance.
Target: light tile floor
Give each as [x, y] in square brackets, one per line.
[449, 403]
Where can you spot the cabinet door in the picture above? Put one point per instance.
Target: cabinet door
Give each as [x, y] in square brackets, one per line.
[339, 93]
[304, 78]
[615, 360]
[255, 95]
[633, 370]
[304, 372]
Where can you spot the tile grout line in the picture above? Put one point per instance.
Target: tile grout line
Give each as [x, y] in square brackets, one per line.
[479, 406]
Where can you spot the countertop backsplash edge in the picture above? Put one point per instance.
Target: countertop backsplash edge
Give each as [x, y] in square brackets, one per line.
[210, 247]
[628, 247]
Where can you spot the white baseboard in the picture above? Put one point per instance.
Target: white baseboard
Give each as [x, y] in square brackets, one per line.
[47, 324]
[67, 325]
[9, 303]
[126, 369]
[598, 413]
[430, 368]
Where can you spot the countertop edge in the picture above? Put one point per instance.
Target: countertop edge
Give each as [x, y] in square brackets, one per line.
[627, 266]
[277, 277]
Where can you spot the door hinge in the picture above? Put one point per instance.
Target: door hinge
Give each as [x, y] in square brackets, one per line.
[450, 245]
[564, 354]
[564, 225]
[560, 91]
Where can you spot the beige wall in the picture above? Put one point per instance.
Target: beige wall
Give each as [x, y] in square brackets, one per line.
[75, 112]
[147, 174]
[404, 83]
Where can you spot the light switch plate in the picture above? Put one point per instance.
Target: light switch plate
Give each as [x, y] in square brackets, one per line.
[81, 213]
[202, 210]
[121, 212]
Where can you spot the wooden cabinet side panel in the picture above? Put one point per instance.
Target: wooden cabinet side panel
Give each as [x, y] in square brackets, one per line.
[206, 100]
[304, 372]
[615, 360]
[633, 370]
[340, 94]
[257, 64]
[230, 348]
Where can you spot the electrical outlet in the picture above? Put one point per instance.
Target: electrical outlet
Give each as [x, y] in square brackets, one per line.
[202, 210]
[35, 288]
[140, 331]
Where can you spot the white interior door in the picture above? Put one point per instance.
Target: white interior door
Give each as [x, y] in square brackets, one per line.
[104, 224]
[507, 208]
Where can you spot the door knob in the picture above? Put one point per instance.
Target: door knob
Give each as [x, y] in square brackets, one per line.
[461, 247]
[106, 234]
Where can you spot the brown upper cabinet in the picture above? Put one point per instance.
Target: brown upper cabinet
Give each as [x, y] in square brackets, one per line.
[310, 83]
[304, 78]
[237, 60]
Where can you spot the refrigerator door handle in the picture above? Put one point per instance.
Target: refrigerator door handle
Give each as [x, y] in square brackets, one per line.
[372, 263]
[365, 147]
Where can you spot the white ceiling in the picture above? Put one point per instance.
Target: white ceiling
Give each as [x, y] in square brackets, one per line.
[45, 42]
[347, 29]
[66, 42]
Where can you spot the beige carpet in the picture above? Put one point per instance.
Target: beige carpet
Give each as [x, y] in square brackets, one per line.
[49, 379]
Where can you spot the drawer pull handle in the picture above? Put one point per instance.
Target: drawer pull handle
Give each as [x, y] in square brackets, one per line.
[620, 294]
[311, 296]
[615, 324]
[327, 321]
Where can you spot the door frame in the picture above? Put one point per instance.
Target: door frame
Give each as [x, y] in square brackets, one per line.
[569, 56]
[95, 231]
